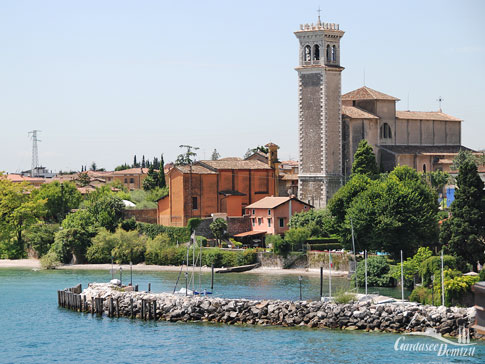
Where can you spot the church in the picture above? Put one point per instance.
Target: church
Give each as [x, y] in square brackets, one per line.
[331, 125]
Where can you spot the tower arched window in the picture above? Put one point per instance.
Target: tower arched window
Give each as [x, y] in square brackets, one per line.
[329, 53]
[385, 131]
[316, 52]
[334, 54]
[307, 53]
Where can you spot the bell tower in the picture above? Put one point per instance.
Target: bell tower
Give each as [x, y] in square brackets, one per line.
[320, 119]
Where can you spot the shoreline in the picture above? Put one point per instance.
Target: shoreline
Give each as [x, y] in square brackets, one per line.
[35, 264]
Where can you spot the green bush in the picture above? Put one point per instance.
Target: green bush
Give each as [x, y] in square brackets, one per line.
[327, 246]
[130, 246]
[180, 234]
[155, 247]
[50, 260]
[377, 272]
[102, 246]
[40, 237]
[129, 224]
[343, 297]
[297, 238]
[193, 223]
[201, 241]
[422, 295]
[432, 265]
[280, 246]
[482, 275]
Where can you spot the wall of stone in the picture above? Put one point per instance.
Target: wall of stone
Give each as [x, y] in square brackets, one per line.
[141, 215]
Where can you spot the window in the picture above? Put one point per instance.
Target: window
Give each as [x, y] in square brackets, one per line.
[307, 56]
[260, 220]
[126, 180]
[269, 212]
[334, 54]
[194, 203]
[132, 180]
[329, 57]
[253, 221]
[269, 222]
[424, 168]
[385, 131]
[282, 222]
[253, 212]
[316, 52]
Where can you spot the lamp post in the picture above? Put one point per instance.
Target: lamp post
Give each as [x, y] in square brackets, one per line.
[299, 279]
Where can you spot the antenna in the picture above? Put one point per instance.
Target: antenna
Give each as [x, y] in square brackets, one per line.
[35, 152]
[440, 100]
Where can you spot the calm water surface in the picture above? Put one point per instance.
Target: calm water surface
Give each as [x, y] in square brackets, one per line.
[34, 330]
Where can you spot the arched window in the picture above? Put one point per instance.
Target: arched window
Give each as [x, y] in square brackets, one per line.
[329, 59]
[424, 168]
[385, 131]
[316, 52]
[307, 55]
[334, 54]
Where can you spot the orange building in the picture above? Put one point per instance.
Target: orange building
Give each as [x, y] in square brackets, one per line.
[216, 186]
[272, 214]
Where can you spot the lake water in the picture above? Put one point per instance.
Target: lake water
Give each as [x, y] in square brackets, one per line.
[34, 330]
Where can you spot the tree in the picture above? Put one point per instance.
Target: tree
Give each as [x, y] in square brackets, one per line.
[218, 228]
[143, 165]
[122, 167]
[61, 198]
[135, 163]
[297, 238]
[438, 180]
[320, 223]
[18, 211]
[93, 166]
[365, 160]
[40, 237]
[188, 157]
[377, 272]
[215, 155]
[462, 157]
[151, 180]
[107, 211]
[161, 174]
[464, 232]
[393, 214]
[83, 179]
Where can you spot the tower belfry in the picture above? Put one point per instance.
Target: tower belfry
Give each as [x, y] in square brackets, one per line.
[320, 124]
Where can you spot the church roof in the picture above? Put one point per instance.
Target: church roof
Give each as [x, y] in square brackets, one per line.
[234, 164]
[366, 93]
[357, 113]
[425, 115]
[424, 149]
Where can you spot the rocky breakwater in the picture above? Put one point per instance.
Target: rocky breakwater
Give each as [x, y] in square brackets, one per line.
[390, 317]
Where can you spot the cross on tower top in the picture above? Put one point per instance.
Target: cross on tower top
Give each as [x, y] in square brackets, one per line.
[319, 11]
[440, 100]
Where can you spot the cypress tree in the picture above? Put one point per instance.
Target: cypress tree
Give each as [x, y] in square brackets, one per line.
[135, 164]
[464, 231]
[364, 160]
[143, 164]
[161, 174]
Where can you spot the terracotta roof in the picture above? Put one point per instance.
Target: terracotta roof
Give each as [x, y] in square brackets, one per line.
[195, 169]
[230, 159]
[357, 113]
[366, 93]
[234, 164]
[250, 233]
[19, 178]
[131, 171]
[290, 163]
[272, 202]
[425, 115]
[423, 149]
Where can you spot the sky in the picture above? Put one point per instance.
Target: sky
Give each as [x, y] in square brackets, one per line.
[105, 80]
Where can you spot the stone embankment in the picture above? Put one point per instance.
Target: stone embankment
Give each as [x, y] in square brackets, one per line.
[102, 298]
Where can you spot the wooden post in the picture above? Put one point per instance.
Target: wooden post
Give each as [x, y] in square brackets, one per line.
[92, 305]
[131, 307]
[85, 304]
[142, 309]
[111, 307]
[321, 282]
[155, 310]
[136, 287]
[212, 276]
[149, 287]
[102, 305]
[117, 307]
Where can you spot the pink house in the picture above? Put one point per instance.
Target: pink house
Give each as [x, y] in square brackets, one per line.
[271, 215]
